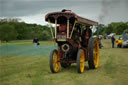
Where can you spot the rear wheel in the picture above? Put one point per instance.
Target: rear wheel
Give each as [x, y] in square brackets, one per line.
[93, 48]
[54, 61]
[80, 61]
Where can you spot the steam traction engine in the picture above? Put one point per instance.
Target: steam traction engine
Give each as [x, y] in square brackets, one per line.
[73, 36]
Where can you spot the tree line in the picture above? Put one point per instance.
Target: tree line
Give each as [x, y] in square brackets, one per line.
[14, 29]
[114, 27]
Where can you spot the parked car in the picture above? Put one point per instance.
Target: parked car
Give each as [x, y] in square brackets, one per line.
[110, 35]
[125, 40]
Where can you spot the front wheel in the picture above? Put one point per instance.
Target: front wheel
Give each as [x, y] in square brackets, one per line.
[80, 61]
[54, 61]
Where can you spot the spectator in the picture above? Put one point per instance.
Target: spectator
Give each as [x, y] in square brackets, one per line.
[0, 42]
[113, 41]
[100, 44]
[36, 41]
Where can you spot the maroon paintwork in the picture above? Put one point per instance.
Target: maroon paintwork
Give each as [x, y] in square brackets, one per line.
[54, 15]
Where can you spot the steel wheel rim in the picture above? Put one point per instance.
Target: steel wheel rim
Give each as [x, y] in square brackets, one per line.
[82, 61]
[56, 63]
[96, 53]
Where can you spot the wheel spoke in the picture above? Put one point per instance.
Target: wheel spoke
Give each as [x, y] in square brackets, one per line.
[82, 60]
[54, 64]
[96, 49]
[54, 61]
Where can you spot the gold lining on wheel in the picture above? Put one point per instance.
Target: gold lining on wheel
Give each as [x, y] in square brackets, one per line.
[56, 63]
[82, 61]
[96, 53]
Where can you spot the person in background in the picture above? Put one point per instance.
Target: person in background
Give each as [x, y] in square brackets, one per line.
[113, 41]
[100, 43]
[0, 42]
[36, 41]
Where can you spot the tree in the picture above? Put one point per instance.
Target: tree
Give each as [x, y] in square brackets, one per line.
[45, 35]
[116, 27]
[126, 31]
[99, 29]
[109, 28]
[7, 32]
[22, 30]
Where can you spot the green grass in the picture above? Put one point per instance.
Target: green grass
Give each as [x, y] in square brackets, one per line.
[34, 70]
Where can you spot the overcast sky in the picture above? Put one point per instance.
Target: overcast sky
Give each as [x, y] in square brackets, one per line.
[34, 11]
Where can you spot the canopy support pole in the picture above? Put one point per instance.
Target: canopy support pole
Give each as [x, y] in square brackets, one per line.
[73, 29]
[68, 28]
[55, 28]
[51, 29]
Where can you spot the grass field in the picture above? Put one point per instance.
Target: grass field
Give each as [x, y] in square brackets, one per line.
[28, 42]
[34, 70]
